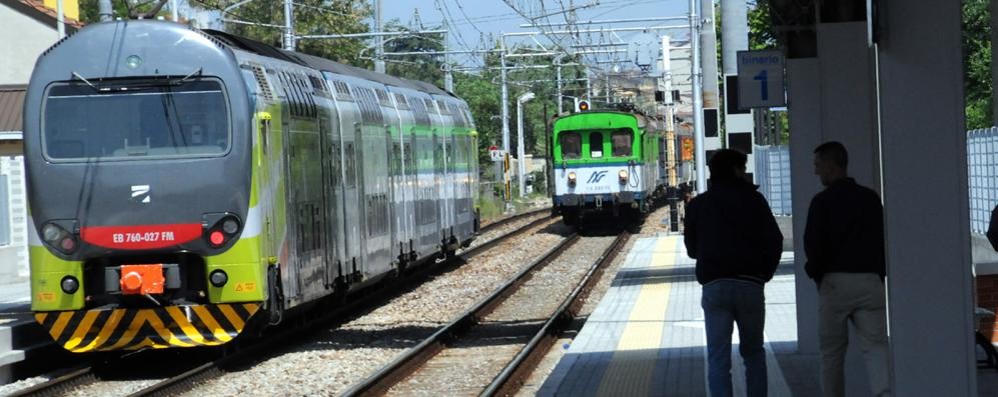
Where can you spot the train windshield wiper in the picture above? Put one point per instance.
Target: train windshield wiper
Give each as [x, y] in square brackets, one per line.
[120, 85]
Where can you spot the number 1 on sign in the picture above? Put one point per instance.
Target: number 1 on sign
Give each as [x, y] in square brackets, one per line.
[763, 79]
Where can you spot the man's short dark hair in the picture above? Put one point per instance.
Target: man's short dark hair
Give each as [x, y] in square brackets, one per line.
[834, 151]
[724, 163]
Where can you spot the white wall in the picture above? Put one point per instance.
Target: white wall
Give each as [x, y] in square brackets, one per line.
[23, 40]
[14, 256]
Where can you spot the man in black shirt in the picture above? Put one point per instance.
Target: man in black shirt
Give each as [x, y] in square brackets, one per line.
[844, 243]
[731, 232]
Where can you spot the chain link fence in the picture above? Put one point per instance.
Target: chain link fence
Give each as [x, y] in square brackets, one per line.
[982, 164]
[772, 173]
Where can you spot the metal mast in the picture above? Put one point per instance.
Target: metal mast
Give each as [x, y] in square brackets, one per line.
[289, 26]
[379, 48]
[698, 135]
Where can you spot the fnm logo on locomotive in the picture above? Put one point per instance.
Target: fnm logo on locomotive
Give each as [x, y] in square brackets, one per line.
[596, 177]
[140, 193]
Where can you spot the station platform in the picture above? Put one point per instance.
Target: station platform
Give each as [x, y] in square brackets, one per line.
[646, 336]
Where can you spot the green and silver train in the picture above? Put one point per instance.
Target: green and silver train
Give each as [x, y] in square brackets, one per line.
[186, 185]
[606, 161]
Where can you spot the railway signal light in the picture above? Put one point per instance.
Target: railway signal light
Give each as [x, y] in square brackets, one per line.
[581, 105]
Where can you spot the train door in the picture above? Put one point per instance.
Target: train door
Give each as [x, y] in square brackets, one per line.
[333, 197]
[410, 187]
[289, 261]
[437, 193]
[349, 209]
[305, 188]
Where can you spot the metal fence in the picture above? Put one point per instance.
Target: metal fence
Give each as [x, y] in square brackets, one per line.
[772, 173]
[982, 164]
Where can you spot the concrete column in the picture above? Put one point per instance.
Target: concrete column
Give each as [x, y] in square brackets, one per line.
[848, 98]
[831, 99]
[804, 97]
[926, 200]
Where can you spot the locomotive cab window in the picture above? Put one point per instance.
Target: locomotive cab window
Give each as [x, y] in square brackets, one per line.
[596, 145]
[571, 145]
[151, 119]
[623, 141]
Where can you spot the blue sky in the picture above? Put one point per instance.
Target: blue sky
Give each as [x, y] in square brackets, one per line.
[475, 18]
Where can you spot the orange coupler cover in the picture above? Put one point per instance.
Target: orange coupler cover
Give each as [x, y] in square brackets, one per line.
[142, 279]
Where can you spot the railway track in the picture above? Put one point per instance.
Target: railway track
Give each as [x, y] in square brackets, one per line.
[513, 218]
[475, 328]
[210, 368]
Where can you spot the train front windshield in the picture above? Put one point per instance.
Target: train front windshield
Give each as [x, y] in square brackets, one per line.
[136, 121]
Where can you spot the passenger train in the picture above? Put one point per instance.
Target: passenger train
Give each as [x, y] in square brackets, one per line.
[186, 185]
[612, 162]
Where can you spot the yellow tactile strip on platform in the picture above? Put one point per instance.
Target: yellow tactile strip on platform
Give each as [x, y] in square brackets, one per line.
[630, 369]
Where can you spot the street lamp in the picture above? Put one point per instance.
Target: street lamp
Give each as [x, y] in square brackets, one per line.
[521, 167]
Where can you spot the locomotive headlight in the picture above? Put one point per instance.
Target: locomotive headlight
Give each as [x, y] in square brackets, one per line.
[51, 233]
[218, 278]
[69, 284]
[133, 61]
[623, 176]
[57, 237]
[230, 226]
[571, 177]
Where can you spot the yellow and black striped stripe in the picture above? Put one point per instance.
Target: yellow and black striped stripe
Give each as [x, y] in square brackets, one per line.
[162, 327]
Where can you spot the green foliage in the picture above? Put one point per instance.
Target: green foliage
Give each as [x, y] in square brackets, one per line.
[489, 208]
[312, 17]
[414, 67]
[90, 9]
[977, 63]
[482, 91]
[761, 33]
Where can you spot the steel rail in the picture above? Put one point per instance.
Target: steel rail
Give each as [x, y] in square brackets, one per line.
[410, 361]
[59, 385]
[515, 374]
[512, 218]
[272, 343]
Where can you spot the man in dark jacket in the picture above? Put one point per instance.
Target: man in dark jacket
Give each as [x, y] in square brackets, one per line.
[731, 232]
[844, 243]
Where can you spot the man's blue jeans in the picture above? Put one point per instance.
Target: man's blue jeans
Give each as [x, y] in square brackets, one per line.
[728, 301]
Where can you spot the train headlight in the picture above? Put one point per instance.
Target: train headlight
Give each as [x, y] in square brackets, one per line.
[218, 278]
[230, 226]
[623, 176]
[133, 61]
[51, 233]
[70, 285]
[220, 228]
[57, 237]
[571, 178]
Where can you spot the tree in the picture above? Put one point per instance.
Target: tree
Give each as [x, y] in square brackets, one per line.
[414, 67]
[312, 17]
[761, 33]
[134, 9]
[977, 63]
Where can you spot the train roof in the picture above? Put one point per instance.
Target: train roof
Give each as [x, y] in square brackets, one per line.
[642, 120]
[324, 64]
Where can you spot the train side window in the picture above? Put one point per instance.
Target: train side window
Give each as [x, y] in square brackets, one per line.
[396, 159]
[334, 156]
[571, 145]
[623, 141]
[351, 177]
[264, 134]
[401, 102]
[595, 145]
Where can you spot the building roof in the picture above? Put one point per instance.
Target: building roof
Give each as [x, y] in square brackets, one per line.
[11, 107]
[38, 11]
